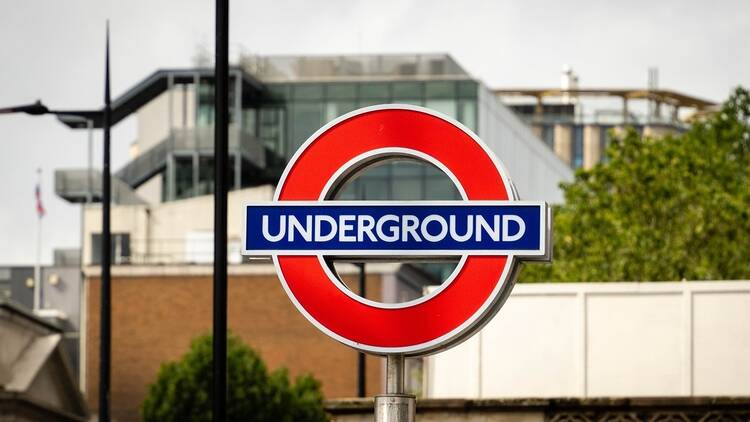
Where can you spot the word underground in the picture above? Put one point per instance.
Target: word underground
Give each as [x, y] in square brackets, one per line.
[390, 228]
[378, 227]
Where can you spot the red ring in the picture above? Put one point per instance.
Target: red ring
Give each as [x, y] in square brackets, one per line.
[413, 328]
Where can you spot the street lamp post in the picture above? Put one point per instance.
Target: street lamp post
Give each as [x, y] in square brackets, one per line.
[37, 109]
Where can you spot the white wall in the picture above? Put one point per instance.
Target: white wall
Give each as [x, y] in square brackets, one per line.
[163, 231]
[154, 120]
[534, 168]
[605, 339]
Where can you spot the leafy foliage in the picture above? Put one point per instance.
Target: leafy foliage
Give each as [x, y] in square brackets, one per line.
[182, 389]
[672, 208]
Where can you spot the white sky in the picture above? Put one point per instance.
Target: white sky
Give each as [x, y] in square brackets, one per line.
[53, 50]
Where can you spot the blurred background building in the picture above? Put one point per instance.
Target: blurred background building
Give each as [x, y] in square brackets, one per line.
[577, 122]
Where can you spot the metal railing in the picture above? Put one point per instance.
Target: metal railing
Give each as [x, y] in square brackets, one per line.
[352, 67]
[603, 118]
[185, 251]
[201, 139]
[77, 185]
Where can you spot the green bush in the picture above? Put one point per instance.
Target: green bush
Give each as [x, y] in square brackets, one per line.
[182, 389]
[672, 208]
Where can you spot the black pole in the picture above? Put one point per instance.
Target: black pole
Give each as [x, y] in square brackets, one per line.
[361, 374]
[106, 248]
[221, 158]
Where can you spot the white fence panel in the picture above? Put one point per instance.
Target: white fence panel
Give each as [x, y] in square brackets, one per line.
[605, 339]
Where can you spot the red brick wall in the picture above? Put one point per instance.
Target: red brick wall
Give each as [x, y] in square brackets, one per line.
[155, 318]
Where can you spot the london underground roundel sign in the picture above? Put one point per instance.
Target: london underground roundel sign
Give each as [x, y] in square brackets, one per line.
[489, 229]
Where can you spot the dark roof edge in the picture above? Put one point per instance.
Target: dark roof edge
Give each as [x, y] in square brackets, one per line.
[144, 91]
[21, 311]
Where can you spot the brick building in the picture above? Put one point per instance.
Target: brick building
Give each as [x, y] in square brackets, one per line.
[157, 311]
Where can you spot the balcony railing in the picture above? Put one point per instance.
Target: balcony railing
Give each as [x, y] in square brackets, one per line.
[80, 185]
[603, 118]
[201, 139]
[194, 249]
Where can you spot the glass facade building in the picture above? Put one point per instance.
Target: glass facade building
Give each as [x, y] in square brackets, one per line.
[294, 111]
[281, 116]
[275, 104]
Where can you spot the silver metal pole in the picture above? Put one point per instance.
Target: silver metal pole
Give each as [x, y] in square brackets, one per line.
[37, 270]
[394, 405]
[81, 258]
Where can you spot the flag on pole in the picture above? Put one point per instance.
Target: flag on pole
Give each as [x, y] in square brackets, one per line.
[39, 207]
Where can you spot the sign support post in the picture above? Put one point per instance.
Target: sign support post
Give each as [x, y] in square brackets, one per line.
[221, 157]
[395, 405]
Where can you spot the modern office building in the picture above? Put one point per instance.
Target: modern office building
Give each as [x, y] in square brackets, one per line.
[162, 220]
[577, 123]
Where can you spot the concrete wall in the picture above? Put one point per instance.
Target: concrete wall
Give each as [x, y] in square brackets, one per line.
[563, 143]
[163, 231]
[605, 339]
[154, 127]
[592, 145]
[154, 117]
[533, 167]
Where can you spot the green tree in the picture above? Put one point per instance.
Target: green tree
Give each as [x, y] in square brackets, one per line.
[182, 389]
[672, 208]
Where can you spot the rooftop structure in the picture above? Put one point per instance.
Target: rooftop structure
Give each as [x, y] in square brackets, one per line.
[353, 67]
[576, 122]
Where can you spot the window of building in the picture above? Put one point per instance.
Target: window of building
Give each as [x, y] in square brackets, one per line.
[349, 192]
[205, 115]
[120, 248]
[278, 92]
[410, 101]
[440, 89]
[250, 120]
[445, 106]
[307, 117]
[438, 186]
[307, 91]
[548, 135]
[374, 91]
[604, 140]
[468, 89]
[400, 180]
[183, 173]
[205, 175]
[407, 90]
[467, 113]
[338, 108]
[374, 183]
[271, 130]
[374, 188]
[577, 147]
[407, 180]
[347, 91]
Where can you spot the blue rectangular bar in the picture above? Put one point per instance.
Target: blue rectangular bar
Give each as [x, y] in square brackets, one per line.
[389, 228]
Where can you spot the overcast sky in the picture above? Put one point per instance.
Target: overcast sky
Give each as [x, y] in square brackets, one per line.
[53, 50]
